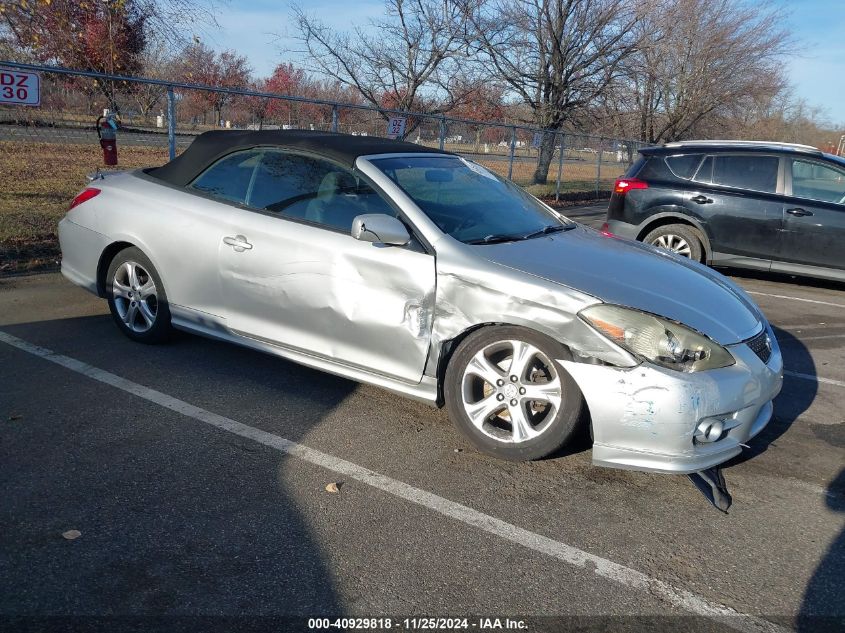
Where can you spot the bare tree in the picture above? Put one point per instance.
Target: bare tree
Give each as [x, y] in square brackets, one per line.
[174, 22]
[157, 62]
[700, 59]
[556, 55]
[397, 62]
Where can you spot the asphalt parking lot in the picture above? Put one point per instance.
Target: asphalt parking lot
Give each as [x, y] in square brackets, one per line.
[196, 474]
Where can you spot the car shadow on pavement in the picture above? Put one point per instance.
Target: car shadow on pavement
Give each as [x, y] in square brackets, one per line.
[823, 605]
[183, 527]
[784, 278]
[796, 396]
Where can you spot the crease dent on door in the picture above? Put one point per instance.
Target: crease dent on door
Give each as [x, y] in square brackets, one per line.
[347, 301]
[399, 300]
[351, 295]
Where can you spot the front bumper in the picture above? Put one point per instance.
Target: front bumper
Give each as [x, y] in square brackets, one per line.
[645, 417]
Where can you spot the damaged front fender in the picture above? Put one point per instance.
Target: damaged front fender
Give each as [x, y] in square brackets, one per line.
[468, 296]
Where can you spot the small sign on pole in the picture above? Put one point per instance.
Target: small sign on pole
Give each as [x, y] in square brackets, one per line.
[396, 127]
[19, 88]
[537, 140]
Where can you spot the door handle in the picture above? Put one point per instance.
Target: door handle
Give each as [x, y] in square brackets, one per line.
[238, 242]
[699, 199]
[798, 211]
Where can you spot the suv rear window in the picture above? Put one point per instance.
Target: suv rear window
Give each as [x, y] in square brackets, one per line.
[633, 169]
[683, 165]
[757, 173]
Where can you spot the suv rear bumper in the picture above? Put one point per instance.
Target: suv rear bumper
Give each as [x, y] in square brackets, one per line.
[623, 229]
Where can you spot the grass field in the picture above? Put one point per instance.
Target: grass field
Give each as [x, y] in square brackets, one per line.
[38, 181]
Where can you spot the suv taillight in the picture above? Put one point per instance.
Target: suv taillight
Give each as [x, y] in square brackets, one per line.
[624, 185]
[85, 194]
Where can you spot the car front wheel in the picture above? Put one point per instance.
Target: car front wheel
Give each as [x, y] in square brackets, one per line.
[505, 391]
[136, 297]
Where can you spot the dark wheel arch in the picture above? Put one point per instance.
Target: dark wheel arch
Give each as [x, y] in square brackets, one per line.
[664, 219]
[103, 264]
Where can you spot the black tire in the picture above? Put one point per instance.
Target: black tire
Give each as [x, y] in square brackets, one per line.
[554, 430]
[689, 234]
[139, 330]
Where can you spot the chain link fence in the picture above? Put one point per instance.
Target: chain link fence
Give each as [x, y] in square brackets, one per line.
[47, 151]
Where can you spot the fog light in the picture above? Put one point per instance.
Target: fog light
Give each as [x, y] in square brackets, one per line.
[709, 430]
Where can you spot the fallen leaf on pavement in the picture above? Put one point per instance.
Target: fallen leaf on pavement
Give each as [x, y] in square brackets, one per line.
[15, 416]
[71, 535]
[334, 486]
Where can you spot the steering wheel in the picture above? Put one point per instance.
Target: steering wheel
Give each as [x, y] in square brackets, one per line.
[467, 222]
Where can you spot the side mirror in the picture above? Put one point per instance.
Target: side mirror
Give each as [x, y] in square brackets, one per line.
[380, 229]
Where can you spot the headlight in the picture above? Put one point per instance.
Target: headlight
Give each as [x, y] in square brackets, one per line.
[658, 340]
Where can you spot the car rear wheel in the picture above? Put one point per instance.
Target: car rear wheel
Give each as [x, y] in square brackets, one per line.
[506, 392]
[680, 239]
[136, 297]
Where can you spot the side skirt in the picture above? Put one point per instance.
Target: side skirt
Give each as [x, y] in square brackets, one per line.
[210, 326]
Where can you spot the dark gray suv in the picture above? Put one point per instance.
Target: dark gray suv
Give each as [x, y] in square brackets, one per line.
[767, 206]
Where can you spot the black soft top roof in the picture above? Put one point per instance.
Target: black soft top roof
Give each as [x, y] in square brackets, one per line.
[342, 148]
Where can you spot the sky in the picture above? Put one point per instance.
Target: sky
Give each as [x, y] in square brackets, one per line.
[260, 30]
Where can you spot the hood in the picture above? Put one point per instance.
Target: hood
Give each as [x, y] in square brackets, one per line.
[635, 275]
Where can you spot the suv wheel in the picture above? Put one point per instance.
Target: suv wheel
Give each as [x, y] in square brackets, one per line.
[680, 239]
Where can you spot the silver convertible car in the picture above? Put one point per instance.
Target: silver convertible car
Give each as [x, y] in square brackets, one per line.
[426, 274]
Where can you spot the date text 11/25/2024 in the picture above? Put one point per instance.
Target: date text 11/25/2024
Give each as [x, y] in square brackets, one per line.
[419, 624]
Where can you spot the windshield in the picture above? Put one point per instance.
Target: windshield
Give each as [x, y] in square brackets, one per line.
[467, 201]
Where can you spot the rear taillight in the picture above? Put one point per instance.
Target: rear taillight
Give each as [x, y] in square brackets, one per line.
[624, 185]
[84, 195]
[605, 230]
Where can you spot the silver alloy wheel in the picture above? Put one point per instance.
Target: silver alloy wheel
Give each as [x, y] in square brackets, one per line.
[674, 243]
[511, 391]
[135, 297]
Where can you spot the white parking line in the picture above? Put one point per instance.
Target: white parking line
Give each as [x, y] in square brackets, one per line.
[827, 381]
[569, 554]
[824, 303]
[817, 338]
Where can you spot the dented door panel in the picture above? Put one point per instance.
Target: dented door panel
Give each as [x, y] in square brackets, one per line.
[321, 291]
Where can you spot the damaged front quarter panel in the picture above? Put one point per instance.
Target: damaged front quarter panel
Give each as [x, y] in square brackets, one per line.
[469, 296]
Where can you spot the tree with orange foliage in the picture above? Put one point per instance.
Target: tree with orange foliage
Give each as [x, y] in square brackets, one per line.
[201, 65]
[481, 102]
[106, 37]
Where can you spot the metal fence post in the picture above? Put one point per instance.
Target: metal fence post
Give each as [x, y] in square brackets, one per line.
[512, 150]
[334, 119]
[598, 165]
[171, 122]
[560, 167]
[442, 131]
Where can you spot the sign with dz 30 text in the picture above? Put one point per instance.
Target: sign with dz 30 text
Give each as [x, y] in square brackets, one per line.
[19, 88]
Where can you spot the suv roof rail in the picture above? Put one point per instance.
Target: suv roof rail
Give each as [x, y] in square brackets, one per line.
[735, 143]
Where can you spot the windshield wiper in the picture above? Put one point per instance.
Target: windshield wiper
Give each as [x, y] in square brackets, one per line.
[552, 228]
[496, 238]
